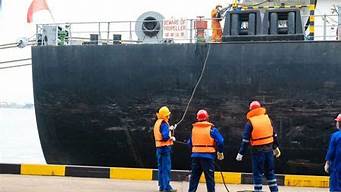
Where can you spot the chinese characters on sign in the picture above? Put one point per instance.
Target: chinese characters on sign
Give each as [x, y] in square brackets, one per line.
[175, 28]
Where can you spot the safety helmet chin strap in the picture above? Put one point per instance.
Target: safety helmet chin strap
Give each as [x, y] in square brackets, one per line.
[338, 125]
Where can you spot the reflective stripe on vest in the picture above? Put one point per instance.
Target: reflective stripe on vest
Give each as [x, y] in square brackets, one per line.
[158, 136]
[202, 142]
[262, 132]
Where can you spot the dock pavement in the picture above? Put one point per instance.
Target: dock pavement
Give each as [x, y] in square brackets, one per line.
[28, 183]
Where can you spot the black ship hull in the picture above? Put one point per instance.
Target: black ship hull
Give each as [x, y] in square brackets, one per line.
[95, 105]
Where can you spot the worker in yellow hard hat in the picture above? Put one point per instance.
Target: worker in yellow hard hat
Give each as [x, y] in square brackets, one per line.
[216, 17]
[235, 3]
[163, 142]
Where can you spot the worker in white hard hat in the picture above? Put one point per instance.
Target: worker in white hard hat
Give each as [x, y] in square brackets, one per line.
[333, 158]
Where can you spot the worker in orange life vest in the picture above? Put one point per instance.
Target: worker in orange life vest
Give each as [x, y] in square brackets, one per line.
[205, 142]
[259, 133]
[216, 17]
[163, 142]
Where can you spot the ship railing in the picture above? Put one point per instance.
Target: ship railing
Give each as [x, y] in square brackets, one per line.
[327, 27]
[79, 32]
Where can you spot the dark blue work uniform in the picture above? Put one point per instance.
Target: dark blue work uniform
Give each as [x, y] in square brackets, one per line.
[204, 162]
[334, 158]
[163, 155]
[262, 157]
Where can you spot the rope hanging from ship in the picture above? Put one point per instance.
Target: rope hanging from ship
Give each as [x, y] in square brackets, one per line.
[189, 102]
[15, 66]
[201, 75]
[8, 63]
[21, 43]
[196, 86]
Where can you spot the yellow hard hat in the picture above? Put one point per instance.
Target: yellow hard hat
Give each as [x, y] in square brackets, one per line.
[163, 112]
[235, 3]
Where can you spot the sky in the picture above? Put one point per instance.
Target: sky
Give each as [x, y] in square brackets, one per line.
[16, 84]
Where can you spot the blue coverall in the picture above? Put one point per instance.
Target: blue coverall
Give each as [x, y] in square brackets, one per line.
[334, 158]
[205, 162]
[163, 155]
[262, 160]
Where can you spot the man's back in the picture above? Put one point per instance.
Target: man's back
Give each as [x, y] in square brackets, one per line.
[336, 144]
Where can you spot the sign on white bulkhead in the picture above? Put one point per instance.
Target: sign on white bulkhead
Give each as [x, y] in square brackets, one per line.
[175, 28]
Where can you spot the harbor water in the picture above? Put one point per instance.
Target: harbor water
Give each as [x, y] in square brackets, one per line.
[19, 139]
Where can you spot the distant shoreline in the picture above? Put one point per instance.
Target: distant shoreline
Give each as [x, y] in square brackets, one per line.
[16, 106]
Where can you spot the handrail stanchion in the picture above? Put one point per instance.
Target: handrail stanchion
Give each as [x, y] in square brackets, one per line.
[191, 31]
[37, 28]
[99, 32]
[70, 34]
[324, 18]
[130, 33]
[37, 31]
[108, 33]
[338, 31]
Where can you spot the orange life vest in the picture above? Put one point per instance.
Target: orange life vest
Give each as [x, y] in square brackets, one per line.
[262, 132]
[158, 136]
[202, 142]
[216, 27]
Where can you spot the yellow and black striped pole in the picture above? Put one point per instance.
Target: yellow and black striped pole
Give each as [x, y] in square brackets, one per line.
[312, 19]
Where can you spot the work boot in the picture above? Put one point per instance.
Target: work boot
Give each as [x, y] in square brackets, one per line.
[172, 190]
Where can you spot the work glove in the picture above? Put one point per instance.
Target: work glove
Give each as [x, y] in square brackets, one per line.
[171, 128]
[239, 157]
[277, 152]
[220, 156]
[173, 138]
[326, 167]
